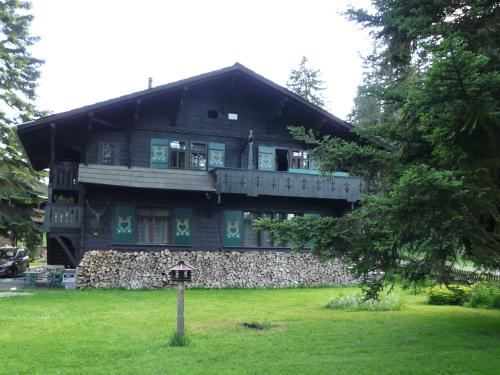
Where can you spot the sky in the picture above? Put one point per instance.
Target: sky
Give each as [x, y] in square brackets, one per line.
[100, 49]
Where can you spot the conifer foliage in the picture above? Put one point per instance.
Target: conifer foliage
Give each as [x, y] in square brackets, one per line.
[432, 164]
[18, 76]
[306, 82]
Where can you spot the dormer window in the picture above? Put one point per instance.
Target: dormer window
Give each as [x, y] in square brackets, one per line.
[232, 116]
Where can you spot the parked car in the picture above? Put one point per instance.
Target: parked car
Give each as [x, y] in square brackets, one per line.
[13, 261]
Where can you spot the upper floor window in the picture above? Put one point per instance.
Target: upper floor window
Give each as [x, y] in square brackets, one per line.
[198, 158]
[232, 116]
[109, 153]
[299, 159]
[178, 154]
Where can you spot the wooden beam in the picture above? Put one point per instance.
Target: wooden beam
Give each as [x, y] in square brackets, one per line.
[52, 144]
[103, 122]
[278, 107]
[66, 250]
[128, 133]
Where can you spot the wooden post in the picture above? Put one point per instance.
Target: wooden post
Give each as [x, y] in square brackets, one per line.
[180, 308]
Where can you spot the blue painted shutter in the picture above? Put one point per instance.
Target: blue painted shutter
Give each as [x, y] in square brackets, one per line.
[124, 225]
[216, 155]
[233, 228]
[182, 229]
[266, 158]
[159, 153]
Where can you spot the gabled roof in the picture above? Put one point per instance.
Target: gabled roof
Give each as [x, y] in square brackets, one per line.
[237, 67]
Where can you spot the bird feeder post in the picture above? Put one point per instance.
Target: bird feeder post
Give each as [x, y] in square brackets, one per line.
[180, 308]
[181, 274]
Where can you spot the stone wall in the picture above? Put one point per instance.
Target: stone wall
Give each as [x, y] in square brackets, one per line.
[251, 269]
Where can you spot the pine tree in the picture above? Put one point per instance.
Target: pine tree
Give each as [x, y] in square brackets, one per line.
[306, 82]
[18, 76]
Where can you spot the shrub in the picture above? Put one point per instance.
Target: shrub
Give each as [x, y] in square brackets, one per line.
[389, 302]
[495, 301]
[485, 295]
[454, 295]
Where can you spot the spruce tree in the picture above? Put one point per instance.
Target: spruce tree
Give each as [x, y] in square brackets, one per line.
[18, 76]
[306, 82]
[432, 165]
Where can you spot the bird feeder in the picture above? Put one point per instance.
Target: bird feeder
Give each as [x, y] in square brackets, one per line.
[181, 273]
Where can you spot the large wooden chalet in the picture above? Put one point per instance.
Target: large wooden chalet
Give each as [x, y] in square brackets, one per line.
[185, 165]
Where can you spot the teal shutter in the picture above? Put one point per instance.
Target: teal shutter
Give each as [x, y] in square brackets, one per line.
[313, 164]
[159, 153]
[124, 225]
[266, 158]
[182, 228]
[233, 228]
[216, 155]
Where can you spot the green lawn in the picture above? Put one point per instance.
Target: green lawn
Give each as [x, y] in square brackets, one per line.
[127, 332]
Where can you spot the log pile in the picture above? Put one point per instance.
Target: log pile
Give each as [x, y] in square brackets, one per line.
[217, 269]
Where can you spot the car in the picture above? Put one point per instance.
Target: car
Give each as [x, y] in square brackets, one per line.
[13, 261]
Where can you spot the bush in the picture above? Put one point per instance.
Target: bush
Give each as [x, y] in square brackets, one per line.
[495, 301]
[389, 302]
[454, 295]
[485, 295]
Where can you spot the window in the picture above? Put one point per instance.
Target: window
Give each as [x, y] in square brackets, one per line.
[232, 116]
[213, 114]
[268, 239]
[251, 235]
[296, 159]
[153, 225]
[108, 153]
[198, 159]
[178, 154]
[300, 159]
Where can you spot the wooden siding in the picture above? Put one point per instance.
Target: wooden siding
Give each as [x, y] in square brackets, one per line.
[207, 215]
[168, 179]
[193, 124]
[257, 182]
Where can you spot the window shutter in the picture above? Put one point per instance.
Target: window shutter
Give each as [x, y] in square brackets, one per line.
[233, 228]
[182, 230]
[159, 153]
[313, 164]
[124, 225]
[266, 158]
[216, 155]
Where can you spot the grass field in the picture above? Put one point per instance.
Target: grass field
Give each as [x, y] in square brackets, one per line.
[127, 332]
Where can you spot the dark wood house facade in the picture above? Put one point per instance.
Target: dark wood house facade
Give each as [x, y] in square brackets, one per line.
[185, 165]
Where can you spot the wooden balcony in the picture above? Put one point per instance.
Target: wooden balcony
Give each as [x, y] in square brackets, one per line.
[256, 182]
[58, 215]
[64, 176]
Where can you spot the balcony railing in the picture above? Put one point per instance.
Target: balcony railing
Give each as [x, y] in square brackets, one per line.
[256, 182]
[59, 215]
[64, 176]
